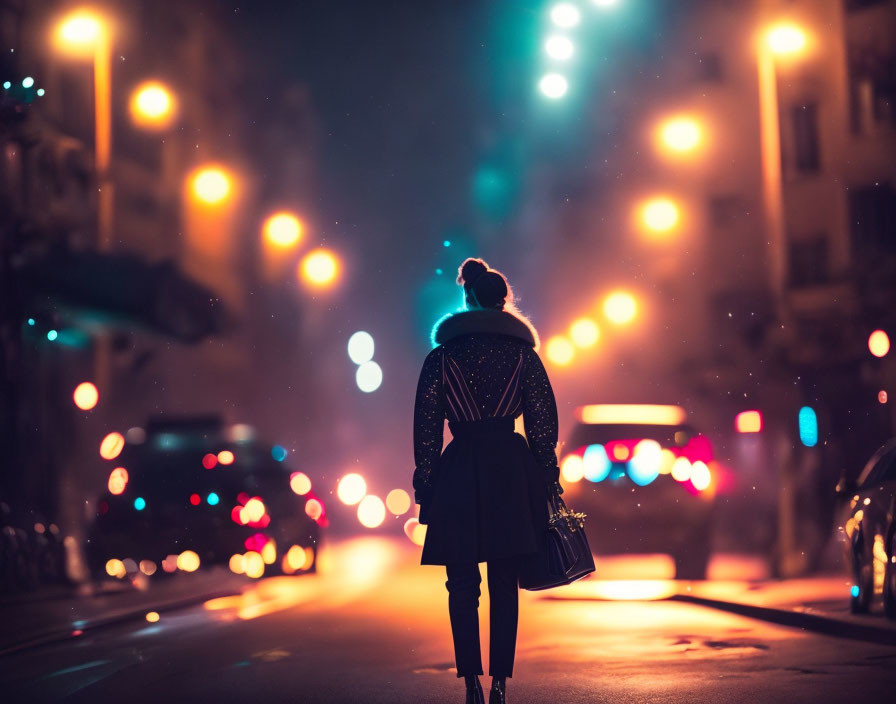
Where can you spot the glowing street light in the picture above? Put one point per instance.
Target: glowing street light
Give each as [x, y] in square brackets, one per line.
[559, 350]
[319, 268]
[620, 307]
[211, 185]
[369, 377]
[680, 134]
[282, 230]
[584, 333]
[660, 215]
[786, 38]
[79, 32]
[152, 105]
[351, 489]
[553, 86]
[559, 47]
[565, 14]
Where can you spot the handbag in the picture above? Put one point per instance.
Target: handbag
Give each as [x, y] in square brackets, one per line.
[564, 554]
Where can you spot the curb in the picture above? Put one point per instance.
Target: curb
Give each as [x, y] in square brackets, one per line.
[826, 625]
[58, 635]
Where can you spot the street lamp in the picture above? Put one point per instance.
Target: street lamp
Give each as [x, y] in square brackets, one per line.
[781, 40]
[152, 105]
[319, 269]
[283, 230]
[660, 215]
[680, 135]
[81, 33]
[210, 185]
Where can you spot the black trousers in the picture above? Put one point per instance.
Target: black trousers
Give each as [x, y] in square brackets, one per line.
[463, 608]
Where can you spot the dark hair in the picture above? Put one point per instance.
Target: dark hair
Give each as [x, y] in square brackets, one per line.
[483, 287]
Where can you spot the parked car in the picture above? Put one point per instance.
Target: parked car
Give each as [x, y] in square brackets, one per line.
[869, 530]
[644, 477]
[191, 492]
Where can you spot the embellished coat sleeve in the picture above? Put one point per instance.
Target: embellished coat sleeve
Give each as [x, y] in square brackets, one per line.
[540, 416]
[429, 424]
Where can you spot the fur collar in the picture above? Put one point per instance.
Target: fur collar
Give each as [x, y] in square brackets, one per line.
[498, 322]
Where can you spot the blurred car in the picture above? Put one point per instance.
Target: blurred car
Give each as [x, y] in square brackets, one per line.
[644, 478]
[191, 492]
[869, 530]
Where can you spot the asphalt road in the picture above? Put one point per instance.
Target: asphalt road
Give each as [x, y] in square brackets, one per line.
[372, 626]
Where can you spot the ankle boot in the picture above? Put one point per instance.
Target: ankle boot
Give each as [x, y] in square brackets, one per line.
[497, 693]
[474, 691]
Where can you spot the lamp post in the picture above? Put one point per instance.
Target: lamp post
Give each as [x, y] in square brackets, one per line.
[777, 41]
[85, 33]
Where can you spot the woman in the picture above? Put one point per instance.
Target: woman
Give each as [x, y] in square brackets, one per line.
[484, 499]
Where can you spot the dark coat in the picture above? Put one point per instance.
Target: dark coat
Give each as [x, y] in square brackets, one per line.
[485, 496]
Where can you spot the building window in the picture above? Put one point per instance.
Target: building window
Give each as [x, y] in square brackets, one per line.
[805, 137]
[809, 262]
[872, 89]
[872, 219]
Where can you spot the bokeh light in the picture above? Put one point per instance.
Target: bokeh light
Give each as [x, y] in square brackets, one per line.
[152, 616]
[148, 567]
[559, 350]
[879, 343]
[111, 446]
[786, 39]
[398, 501]
[371, 511]
[748, 422]
[296, 558]
[595, 463]
[701, 477]
[253, 564]
[79, 31]
[152, 105]
[360, 347]
[565, 14]
[283, 230]
[620, 307]
[559, 47]
[644, 466]
[300, 483]
[118, 481]
[369, 377]
[115, 568]
[553, 85]
[314, 509]
[86, 396]
[680, 134]
[237, 564]
[188, 561]
[225, 457]
[415, 531]
[211, 185]
[139, 503]
[681, 469]
[279, 453]
[319, 268]
[882, 396]
[584, 333]
[660, 215]
[351, 489]
[254, 509]
[572, 469]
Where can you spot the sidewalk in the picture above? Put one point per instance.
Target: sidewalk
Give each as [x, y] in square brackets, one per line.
[819, 604]
[58, 613]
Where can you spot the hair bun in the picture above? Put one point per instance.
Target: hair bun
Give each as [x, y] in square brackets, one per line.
[471, 270]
